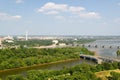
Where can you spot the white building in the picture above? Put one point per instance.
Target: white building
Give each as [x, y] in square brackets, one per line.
[8, 39]
[55, 41]
[0, 41]
[21, 38]
[62, 44]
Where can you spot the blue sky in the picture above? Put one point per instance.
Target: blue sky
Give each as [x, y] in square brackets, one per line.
[60, 17]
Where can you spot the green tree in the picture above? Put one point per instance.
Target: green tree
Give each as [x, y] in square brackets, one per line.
[118, 52]
[114, 76]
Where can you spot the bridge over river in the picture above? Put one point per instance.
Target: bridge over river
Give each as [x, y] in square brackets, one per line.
[99, 59]
[103, 44]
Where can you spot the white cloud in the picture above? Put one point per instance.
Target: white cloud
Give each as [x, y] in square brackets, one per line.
[52, 12]
[90, 15]
[40, 10]
[5, 16]
[51, 8]
[19, 1]
[76, 9]
[16, 17]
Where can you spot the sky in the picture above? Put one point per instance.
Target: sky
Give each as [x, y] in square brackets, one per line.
[60, 17]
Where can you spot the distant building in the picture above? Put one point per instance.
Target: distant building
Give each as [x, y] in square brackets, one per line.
[0, 41]
[55, 41]
[62, 44]
[8, 39]
[26, 36]
[21, 38]
[75, 39]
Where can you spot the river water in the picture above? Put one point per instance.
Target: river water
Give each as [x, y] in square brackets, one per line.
[106, 52]
[109, 50]
[54, 66]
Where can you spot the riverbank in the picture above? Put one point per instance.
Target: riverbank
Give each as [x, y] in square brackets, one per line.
[95, 53]
[37, 65]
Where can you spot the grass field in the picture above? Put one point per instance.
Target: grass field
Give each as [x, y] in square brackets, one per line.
[104, 74]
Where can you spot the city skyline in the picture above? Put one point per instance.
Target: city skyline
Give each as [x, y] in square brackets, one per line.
[64, 17]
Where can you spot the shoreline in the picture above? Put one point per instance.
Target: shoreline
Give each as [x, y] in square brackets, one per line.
[95, 53]
[36, 65]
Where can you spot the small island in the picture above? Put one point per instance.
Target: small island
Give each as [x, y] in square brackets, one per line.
[118, 52]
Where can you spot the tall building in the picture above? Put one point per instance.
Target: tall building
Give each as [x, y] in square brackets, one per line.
[26, 36]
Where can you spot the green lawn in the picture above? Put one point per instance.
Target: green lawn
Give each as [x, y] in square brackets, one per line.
[104, 74]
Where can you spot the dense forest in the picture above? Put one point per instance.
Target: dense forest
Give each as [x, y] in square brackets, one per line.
[78, 72]
[78, 41]
[21, 57]
[29, 43]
